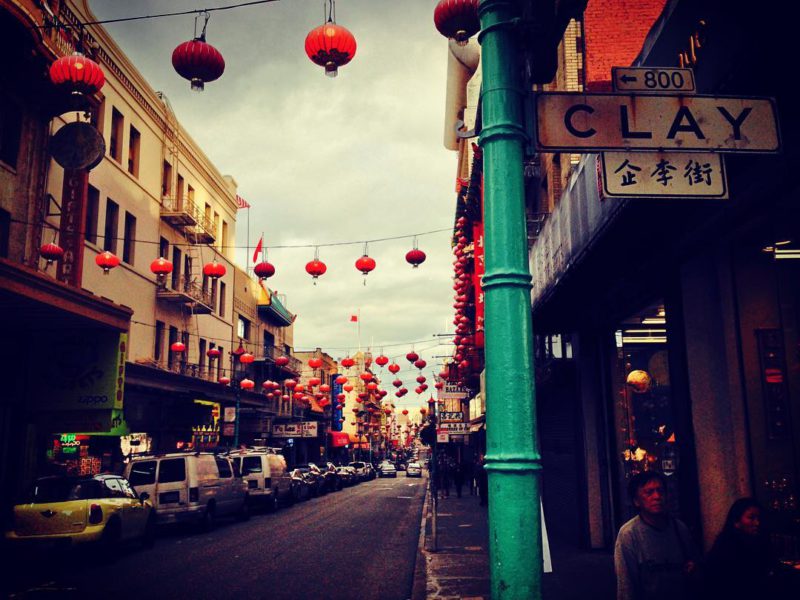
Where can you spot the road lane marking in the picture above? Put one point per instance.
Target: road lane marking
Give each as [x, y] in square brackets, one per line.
[406, 497]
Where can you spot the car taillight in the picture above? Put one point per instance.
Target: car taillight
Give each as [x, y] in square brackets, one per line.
[95, 514]
[194, 494]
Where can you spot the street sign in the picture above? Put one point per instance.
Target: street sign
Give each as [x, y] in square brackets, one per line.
[663, 175]
[594, 122]
[455, 428]
[644, 80]
[230, 414]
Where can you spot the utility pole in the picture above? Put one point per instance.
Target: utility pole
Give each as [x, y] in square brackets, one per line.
[513, 462]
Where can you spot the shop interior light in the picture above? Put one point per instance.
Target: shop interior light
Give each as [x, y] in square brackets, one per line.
[654, 321]
[644, 340]
[786, 254]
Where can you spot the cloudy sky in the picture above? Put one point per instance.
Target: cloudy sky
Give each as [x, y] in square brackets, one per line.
[324, 160]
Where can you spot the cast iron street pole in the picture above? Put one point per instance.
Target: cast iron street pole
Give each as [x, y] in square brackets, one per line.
[235, 356]
[512, 457]
[432, 474]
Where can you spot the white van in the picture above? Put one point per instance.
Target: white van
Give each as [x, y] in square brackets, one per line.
[266, 476]
[189, 487]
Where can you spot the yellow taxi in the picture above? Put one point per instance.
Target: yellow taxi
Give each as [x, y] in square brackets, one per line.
[75, 510]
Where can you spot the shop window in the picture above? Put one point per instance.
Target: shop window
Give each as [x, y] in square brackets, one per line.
[111, 226]
[129, 243]
[115, 139]
[92, 211]
[10, 131]
[134, 143]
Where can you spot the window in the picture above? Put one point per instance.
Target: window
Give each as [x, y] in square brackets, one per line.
[128, 244]
[190, 193]
[166, 179]
[112, 223]
[171, 470]
[163, 247]
[202, 355]
[224, 241]
[216, 224]
[207, 213]
[143, 472]
[220, 360]
[98, 115]
[176, 268]
[127, 489]
[243, 328]
[173, 337]
[134, 142]
[205, 284]
[5, 232]
[224, 468]
[92, 210]
[222, 299]
[115, 141]
[10, 131]
[251, 464]
[213, 292]
[159, 341]
[187, 267]
[113, 488]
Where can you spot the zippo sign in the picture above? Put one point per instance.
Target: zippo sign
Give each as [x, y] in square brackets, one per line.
[685, 123]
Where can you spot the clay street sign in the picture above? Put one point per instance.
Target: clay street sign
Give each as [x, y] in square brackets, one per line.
[643, 80]
[594, 122]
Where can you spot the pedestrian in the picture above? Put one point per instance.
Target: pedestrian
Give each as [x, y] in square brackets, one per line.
[483, 481]
[458, 478]
[654, 557]
[741, 563]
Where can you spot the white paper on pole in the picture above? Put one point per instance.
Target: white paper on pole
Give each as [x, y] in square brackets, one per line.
[548, 563]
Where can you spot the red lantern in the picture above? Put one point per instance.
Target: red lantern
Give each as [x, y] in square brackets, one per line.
[423, 387]
[420, 364]
[213, 353]
[51, 252]
[264, 270]
[282, 361]
[299, 388]
[106, 261]
[330, 46]
[372, 386]
[397, 383]
[214, 270]
[246, 358]
[347, 388]
[405, 411]
[439, 385]
[224, 380]
[348, 362]
[382, 361]
[247, 384]
[290, 384]
[178, 347]
[412, 356]
[366, 376]
[161, 267]
[341, 397]
[421, 379]
[267, 385]
[415, 257]
[365, 264]
[316, 268]
[418, 390]
[198, 61]
[315, 363]
[297, 395]
[388, 411]
[314, 381]
[422, 411]
[341, 379]
[78, 74]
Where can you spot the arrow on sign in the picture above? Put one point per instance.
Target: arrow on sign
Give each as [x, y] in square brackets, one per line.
[628, 78]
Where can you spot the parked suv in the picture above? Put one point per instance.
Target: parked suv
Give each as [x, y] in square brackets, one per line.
[265, 474]
[189, 487]
[361, 470]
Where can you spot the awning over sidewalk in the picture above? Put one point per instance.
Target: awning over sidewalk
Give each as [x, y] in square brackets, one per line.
[338, 439]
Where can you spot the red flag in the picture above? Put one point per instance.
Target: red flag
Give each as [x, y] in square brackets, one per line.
[353, 318]
[258, 248]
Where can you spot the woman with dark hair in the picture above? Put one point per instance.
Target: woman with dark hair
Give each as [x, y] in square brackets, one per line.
[741, 563]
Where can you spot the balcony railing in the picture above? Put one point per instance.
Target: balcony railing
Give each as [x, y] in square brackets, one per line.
[187, 292]
[183, 213]
[272, 352]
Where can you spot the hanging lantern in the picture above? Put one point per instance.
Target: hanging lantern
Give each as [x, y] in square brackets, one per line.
[397, 383]
[639, 381]
[299, 388]
[372, 386]
[412, 356]
[247, 384]
[405, 411]
[348, 362]
[324, 388]
[423, 387]
[382, 393]
[290, 384]
[214, 270]
[282, 361]
[415, 257]
[246, 358]
[423, 411]
[224, 380]
[198, 61]
[78, 74]
[213, 353]
[420, 364]
[366, 376]
[418, 390]
[341, 379]
[394, 368]
[347, 388]
[51, 252]
[178, 347]
[315, 363]
[297, 395]
[106, 261]
[267, 385]
[341, 397]
[285, 397]
[161, 267]
[421, 379]
[330, 45]
[439, 385]
[365, 264]
[264, 270]
[316, 268]
[314, 381]
[382, 361]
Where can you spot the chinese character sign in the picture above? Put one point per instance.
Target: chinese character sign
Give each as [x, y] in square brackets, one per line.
[663, 174]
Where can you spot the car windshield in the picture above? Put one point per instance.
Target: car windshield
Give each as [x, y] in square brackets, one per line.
[63, 489]
[357, 465]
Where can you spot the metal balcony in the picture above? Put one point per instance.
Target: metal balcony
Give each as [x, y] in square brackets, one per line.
[189, 293]
[184, 215]
[272, 352]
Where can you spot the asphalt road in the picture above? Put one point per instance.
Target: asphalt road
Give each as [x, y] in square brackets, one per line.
[360, 542]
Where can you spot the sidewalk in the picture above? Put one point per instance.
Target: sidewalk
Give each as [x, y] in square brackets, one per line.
[460, 566]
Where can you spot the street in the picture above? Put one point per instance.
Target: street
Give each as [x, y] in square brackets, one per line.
[360, 542]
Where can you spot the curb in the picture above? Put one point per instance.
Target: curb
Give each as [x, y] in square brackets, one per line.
[419, 588]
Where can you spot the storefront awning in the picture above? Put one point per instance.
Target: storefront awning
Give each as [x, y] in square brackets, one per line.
[338, 439]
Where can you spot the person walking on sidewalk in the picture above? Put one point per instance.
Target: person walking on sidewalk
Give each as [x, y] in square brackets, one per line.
[458, 477]
[654, 557]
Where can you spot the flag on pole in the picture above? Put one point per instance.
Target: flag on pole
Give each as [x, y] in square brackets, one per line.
[258, 248]
[241, 202]
[353, 318]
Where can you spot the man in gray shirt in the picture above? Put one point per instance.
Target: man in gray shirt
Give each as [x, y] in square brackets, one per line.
[654, 555]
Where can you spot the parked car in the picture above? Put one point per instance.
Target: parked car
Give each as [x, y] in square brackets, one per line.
[360, 469]
[314, 477]
[265, 474]
[336, 480]
[387, 469]
[400, 465]
[347, 475]
[371, 472]
[104, 509]
[302, 483]
[184, 487]
[414, 469]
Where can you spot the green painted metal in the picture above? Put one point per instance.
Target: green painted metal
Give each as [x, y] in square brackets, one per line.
[513, 462]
